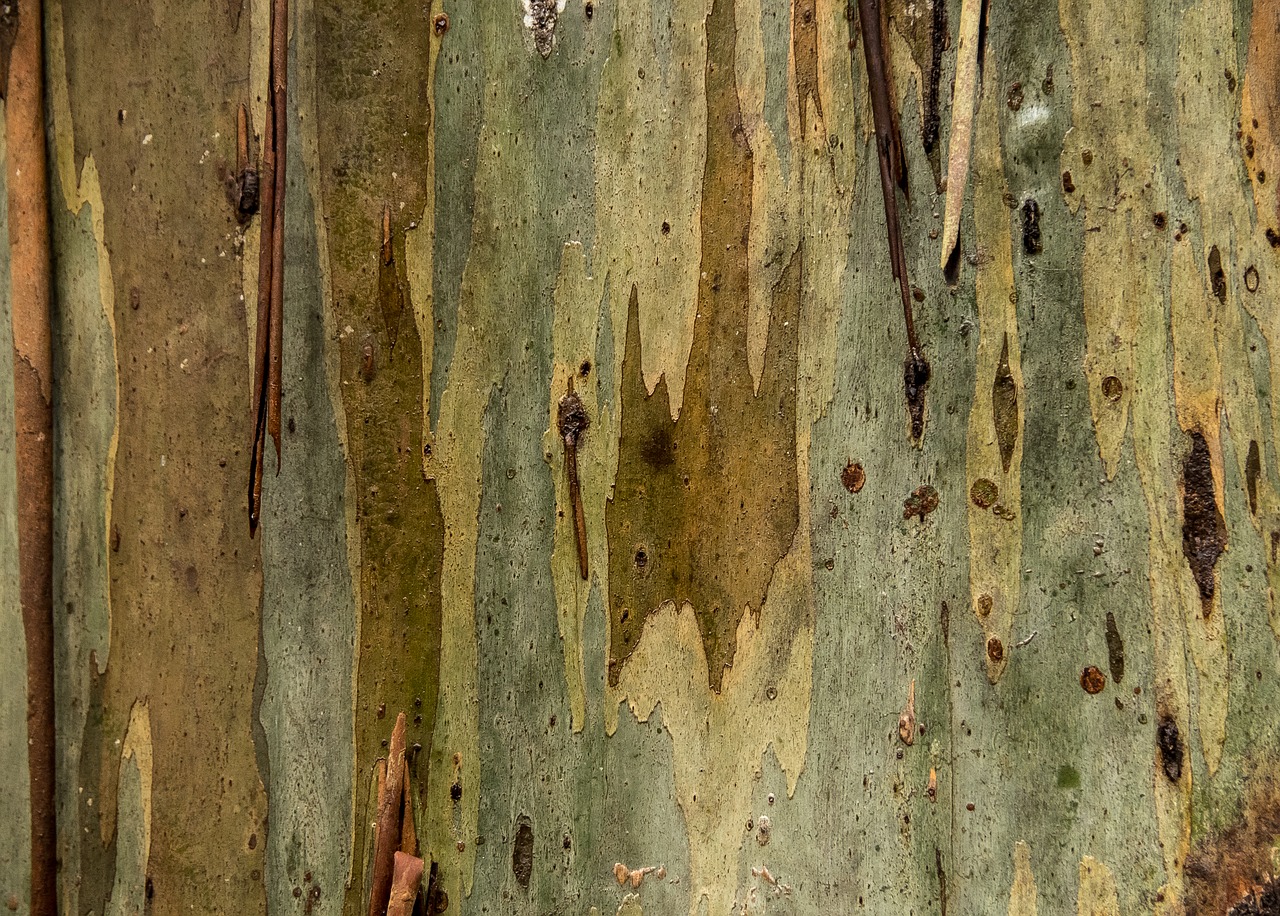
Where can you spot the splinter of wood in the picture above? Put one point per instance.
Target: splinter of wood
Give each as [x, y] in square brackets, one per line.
[388, 822]
[270, 333]
[573, 422]
[406, 879]
[893, 170]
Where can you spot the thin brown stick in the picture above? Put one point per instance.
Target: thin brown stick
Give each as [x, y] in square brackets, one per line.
[388, 823]
[27, 182]
[266, 260]
[893, 172]
[280, 111]
[573, 422]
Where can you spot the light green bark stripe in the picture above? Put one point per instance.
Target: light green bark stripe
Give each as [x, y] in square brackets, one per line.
[308, 603]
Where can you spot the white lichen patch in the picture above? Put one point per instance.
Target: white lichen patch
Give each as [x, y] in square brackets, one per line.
[540, 19]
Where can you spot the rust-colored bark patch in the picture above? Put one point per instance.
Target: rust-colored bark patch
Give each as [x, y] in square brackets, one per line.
[1232, 871]
[711, 498]
[1204, 533]
[921, 502]
[804, 47]
[1092, 679]
[853, 477]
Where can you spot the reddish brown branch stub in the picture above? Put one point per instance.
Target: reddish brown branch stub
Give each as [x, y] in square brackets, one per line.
[893, 171]
[572, 421]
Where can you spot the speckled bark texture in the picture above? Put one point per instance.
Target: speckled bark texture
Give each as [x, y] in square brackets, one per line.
[1026, 663]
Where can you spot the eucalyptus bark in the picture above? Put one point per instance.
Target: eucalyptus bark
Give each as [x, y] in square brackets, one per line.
[758, 631]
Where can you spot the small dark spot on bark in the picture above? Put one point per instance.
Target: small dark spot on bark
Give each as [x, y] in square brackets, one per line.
[1112, 388]
[1068, 184]
[115, 538]
[253, 841]
[853, 477]
[1086, 156]
[135, 299]
[1251, 278]
[666, 227]
[917, 294]
[1217, 277]
[1115, 649]
[1047, 86]
[585, 369]
[1169, 742]
[641, 558]
[984, 493]
[1252, 468]
[1092, 679]
[915, 375]
[440, 23]
[1204, 533]
[1262, 176]
[1015, 96]
[1273, 238]
[297, 892]
[522, 853]
[589, 9]
[1031, 242]
[1160, 220]
[455, 791]
[247, 200]
[1230, 78]
[921, 502]
[1004, 407]
[995, 652]
[985, 604]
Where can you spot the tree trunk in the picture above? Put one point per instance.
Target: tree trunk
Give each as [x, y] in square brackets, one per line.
[1023, 655]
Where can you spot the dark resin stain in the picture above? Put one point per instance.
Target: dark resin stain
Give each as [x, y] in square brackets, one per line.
[1252, 469]
[705, 506]
[1204, 533]
[1004, 407]
[1231, 869]
[1031, 241]
[522, 853]
[1115, 649]
[1169, 743]
[1217, 276]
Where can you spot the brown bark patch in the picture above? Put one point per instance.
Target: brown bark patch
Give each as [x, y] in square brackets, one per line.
[710, 498]
[1230, 871]
[1204, 532]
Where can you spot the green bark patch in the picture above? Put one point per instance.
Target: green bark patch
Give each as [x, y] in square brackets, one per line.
[373, 114]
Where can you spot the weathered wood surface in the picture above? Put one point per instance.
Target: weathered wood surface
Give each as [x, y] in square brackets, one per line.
[676, 204]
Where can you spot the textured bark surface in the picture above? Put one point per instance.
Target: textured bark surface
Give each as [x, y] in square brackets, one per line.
[1064, 594]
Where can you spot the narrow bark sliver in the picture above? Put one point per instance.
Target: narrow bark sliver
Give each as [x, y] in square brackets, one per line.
[396, 869]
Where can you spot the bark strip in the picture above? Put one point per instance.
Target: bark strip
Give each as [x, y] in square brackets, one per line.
[893, 171]
[29, 258]
[270, 334]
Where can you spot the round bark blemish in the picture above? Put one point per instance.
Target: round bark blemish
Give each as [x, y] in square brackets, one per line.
[1112, 388]
[1068, 184]
[1251, 278]
[853, 477]
[984, 493]
[440, 23]
[585, 369]
[995, 650]
[1092, 680]
[921, 502]
[1015, 97]
[985, 603]
[1160, 220]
